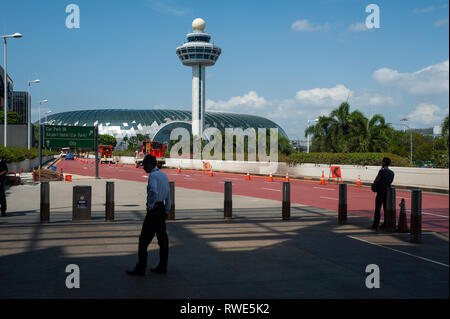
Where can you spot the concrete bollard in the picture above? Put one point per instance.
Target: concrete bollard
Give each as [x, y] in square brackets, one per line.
[342, 207]
[286, 206]
[416, 216]
[390, 213]
[45, 202]
[171, 214]
[228, 200]
[109, 207]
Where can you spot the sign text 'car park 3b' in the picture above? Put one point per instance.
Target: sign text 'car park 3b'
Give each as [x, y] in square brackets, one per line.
[69, 136]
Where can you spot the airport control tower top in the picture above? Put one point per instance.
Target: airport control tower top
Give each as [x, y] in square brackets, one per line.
[197, 50]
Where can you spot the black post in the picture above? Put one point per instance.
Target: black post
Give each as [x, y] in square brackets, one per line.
[171, 215]
[228, 200]
[342, 208]
[286, 206]
[96, 151]
[109, 207]
[416, 216]
[45, 202]
[390, 213]
[40, 150]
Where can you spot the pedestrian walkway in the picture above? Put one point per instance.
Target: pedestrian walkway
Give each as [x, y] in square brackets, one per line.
[253, 255]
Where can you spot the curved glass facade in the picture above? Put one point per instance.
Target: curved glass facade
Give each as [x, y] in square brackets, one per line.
[155, 123]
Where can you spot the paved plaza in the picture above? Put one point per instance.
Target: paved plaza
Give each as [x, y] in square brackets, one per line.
[253, 255]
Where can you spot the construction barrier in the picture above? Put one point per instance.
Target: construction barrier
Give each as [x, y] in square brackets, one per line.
[402, 220]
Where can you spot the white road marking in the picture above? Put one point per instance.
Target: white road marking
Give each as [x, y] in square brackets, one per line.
[434, 214]
[329, 198]
[402, 252]
[271, 189]
[328, 189]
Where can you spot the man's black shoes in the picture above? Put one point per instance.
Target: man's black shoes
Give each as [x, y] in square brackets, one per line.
[159, 270]
[135, 273]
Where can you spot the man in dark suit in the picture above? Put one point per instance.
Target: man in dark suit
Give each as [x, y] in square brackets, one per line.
[381, 184]
[158, 206]
[3, 172]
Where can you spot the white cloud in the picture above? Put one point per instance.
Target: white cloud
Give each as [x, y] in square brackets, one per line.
[168, 7]
[423, 10]
[440, 23]
[324, 96]
[427, 81]
[358, 27]
[426, 114]
[305, 26]
[251, 100]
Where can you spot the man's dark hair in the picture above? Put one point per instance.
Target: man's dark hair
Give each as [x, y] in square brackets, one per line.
[149, 159]
[386, 161]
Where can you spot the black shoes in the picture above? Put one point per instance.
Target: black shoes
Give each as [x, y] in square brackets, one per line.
[3, 215]
[159, 270]
[135, 273]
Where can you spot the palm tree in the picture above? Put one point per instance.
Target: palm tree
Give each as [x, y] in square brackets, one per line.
[444, 129]
[343, 131]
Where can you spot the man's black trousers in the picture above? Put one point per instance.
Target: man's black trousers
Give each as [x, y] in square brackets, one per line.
[2, 197]
[381, 199]
[154, 223]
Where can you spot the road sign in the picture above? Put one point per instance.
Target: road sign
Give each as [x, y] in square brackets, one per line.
[336, 172]
[69, 136]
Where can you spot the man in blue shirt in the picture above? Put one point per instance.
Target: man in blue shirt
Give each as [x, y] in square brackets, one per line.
[158, 206]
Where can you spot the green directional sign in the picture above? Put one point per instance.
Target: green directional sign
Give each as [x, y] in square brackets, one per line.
[69, 136]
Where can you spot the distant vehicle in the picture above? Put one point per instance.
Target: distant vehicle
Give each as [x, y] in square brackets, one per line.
[70, 156]
[157, 149]
[64, 152]
[105, 152]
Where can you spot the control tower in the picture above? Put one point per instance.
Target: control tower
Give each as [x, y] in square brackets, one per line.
[198, 53]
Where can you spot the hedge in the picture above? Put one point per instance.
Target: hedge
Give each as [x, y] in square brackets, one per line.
[360, 159]
[18, 154]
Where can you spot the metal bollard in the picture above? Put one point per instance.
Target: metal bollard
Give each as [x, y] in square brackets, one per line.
[171, 214]
[416, 216]
[45, 202]
[390, 213]
[228, 200]
[286, 206]
[342, 208]
[109, 208]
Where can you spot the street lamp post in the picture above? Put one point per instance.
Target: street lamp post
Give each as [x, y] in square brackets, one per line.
[46, 113]
[307, 142]
[29, 111]
[5, 80]
[40, 139]
[410, 138]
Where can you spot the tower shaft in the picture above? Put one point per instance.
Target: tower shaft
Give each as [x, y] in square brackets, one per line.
[198, 99]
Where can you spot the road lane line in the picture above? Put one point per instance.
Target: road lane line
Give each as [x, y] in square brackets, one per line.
[271, 189]
[399, 251]
[328, 189]
[329, 198]
[434, 214]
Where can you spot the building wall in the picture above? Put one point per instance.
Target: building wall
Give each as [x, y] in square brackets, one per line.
[20, 102]
[17, 135]
[10, 90]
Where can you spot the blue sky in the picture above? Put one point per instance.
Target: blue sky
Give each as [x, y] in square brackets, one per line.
[289, 61]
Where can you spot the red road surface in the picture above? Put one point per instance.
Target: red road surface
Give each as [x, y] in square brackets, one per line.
[361, 200]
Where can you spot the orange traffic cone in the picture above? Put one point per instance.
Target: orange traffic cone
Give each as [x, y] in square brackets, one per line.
[402, 220]
[287, 177]
[179, 169]
[211, 173]
[358, 181]
[322, 179]
[270, 178]
[135, 165]
[248, 176]
[21, 171]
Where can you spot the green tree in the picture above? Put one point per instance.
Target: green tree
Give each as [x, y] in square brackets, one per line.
[444, 127]
[104, 139]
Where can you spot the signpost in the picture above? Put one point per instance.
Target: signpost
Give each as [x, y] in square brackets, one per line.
[73, 137]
